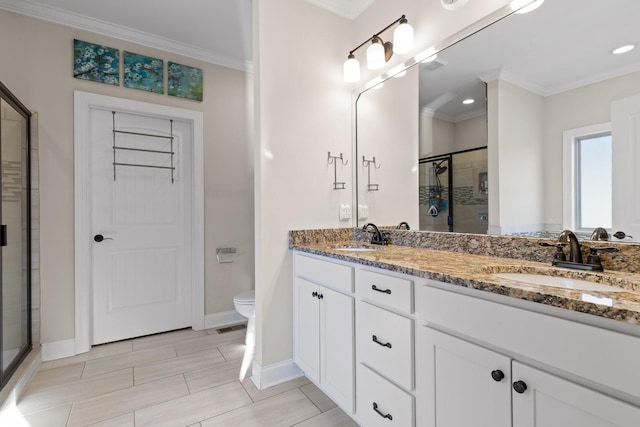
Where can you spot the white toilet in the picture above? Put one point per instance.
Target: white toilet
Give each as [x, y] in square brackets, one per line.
[245, 304]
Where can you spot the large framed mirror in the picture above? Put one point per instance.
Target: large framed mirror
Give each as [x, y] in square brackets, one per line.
[537, 79]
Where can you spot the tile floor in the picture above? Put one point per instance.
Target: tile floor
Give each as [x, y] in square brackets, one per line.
[178, 379]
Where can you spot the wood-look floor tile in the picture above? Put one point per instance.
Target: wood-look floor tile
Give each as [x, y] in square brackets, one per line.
[128, 360]
[126, 420]
[77, 390]
[177, 365]
[52, 417]
[56, 376]
[157, 340]
[96, 352]
[318, 398]
[121, 402]
[332, 418]
[213, 376]
[233, 350]
[257, 395]
[285, 409]
[194, 407]
[210, 341]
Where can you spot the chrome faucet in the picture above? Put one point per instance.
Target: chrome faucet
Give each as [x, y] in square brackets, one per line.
[575, 252]
[376, 237]
[599, 234]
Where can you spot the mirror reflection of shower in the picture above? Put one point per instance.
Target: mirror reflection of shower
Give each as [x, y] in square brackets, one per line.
[454, 192]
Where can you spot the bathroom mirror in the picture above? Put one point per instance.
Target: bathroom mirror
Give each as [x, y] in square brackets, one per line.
[556, 61]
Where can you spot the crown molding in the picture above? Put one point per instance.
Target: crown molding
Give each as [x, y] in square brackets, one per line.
[82, 22]
[346, 9]
[632, 68]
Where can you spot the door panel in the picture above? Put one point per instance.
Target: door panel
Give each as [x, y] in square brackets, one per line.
[550, 401]
[141, 279]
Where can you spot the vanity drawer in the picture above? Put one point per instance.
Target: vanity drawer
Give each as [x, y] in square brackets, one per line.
[385, 343]
[388, 399]
[327, 273]
[392, 291]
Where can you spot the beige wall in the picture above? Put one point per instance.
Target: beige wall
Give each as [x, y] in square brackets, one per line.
[442, 137]
[37, 68]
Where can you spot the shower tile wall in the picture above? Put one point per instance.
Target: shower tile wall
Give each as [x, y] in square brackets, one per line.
[470, 203]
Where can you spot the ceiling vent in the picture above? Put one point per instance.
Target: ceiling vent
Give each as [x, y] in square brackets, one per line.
[434, 65]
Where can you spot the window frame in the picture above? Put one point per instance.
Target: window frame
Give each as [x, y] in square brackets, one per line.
[570, 172]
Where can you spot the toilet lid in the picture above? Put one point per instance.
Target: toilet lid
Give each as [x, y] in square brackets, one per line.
[248, 297]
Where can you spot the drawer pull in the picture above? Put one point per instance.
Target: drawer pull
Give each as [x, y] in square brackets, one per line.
[375, 340]
[384, 291]
[375, 408]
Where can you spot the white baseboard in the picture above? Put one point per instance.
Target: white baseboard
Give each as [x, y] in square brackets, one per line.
[278, 373]
[58, 349]
[224, 318]
[15, 388]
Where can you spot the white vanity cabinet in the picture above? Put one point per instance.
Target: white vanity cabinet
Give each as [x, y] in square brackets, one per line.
[323, 326]
[385, 349]
[479, 383]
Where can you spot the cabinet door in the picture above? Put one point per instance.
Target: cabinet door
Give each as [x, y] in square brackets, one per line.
[459, 384]
[307, 328]
[549, 401]
[336, 344]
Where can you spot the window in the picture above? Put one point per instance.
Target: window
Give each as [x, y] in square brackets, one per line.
[587, 178]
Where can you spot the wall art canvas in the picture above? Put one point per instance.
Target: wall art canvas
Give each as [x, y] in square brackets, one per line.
[96, 63]
[184, 81]
[142, 72]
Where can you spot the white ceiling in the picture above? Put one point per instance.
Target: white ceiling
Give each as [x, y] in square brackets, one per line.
[349, 9]
[216, 31]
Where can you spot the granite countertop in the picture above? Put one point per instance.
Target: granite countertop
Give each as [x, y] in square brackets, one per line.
[476, 272]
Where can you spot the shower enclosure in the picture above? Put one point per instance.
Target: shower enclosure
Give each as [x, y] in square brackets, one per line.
[454, 192]
[15, 234]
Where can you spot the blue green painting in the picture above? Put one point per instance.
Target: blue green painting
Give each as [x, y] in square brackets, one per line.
[143, 72]
[96, 63]
[184, 81]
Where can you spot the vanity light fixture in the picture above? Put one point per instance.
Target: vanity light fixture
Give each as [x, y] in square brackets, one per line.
[525, 6]
[623, 49]
[379, 52]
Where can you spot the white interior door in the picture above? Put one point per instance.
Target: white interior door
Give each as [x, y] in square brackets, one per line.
[141, 272]
[625, 115]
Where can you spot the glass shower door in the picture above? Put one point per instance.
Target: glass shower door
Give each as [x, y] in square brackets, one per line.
[14, 235]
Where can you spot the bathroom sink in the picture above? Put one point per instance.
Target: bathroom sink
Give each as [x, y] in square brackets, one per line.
[558, 282]
[356, 247]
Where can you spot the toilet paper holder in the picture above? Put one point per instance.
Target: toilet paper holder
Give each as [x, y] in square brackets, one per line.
[225, 255]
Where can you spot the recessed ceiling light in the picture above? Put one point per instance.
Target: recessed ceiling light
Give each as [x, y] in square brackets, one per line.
[517, 5]
[468, 101]
[623, 49]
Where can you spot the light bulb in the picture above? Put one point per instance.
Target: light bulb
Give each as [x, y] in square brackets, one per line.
[375, 55]
[351, 69]
[403, 37]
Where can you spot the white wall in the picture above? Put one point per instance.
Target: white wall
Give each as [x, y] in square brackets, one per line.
[517, 138]
[302, 112]
[37, 68]
[388, 131]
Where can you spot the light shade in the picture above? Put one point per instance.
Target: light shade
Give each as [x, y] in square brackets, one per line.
[375, 54]
[403, 37]
[351, 69]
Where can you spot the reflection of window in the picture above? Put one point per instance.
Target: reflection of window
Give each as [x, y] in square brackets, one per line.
[587, 177]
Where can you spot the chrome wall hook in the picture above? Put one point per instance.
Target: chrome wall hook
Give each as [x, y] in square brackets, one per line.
[334, 160]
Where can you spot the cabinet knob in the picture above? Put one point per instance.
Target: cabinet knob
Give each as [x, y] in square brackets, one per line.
[520, 386]
[497, 375]
[320, 296]
[314, 294]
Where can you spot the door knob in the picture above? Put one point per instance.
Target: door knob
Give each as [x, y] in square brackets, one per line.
[99, 238]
